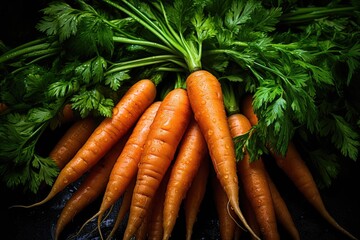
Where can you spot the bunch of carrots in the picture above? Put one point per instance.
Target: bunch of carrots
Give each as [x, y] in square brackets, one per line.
[155, 155]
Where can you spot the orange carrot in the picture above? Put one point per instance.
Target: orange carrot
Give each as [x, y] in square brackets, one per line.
[249, 213]
[207, 103]
[73, 139]
[298, 172]
[124, 208]
[67, 114]
[255, 185]
[126, 165]
[192, 150]
[165, 134]
[282, 211]
[248, 110]
[3, 107]
[225, 215]
[93, 185]
[156, 230]
[195, 196]
[296, 169]
[125, 114]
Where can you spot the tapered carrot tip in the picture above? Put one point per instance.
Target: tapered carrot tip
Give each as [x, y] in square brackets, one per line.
[45, 200]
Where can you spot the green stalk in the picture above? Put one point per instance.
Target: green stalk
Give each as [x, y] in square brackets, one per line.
[143, 62]
[143, 43]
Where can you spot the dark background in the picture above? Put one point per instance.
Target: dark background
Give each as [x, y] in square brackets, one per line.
[18, 19]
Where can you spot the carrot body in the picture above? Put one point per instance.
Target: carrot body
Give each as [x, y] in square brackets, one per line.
[93, 185]
[255, 185]
[192, 150]
[126, 165]
[168, 127]
[282, 211]
[110, 130]
[195, 196]
[207, 103]
[249, 213]
[73, 139]
[296, 169]
[226, 223]
[156, 230]
[67, 114]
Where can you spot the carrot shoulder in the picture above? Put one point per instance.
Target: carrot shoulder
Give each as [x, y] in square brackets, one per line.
[125, 114]
[207, 103]
[92, 187]
[73, 139]
[165, 134]
[192, 150]
[255, 185]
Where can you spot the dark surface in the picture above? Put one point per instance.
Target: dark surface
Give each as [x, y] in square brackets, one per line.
[342, 199]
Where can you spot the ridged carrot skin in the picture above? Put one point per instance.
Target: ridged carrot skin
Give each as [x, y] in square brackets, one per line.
[90, 189]
[255, 185]
[195, 195]
[73, 139]
[282, 212]
[169, 126]
[126, 166]
[191, 152]
[227, 224]
[207, 103]
[125, 114]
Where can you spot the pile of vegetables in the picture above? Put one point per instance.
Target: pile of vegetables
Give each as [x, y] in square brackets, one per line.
[166, 97]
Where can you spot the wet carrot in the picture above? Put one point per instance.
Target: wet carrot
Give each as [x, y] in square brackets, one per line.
[282, 212]
[192, 150]
[73, 139]
[207, 103]
[255, 185]
[125, 114]
[165, 134]
[90, 189]
[195, 195]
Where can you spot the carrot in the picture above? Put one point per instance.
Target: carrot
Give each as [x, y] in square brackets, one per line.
[298, 172]
[255, 185]
[73, 139]
[165, 134]
[125, 114]
[124, 208]
[156, 230]
[207, 103]
[126, 165]
[67, 114]
[93, 185]
[249, 213]
[248, 110]
[3, 107]
[282, 211]
[192, 150]
[195, 196]
[226, 222]
[296, 169]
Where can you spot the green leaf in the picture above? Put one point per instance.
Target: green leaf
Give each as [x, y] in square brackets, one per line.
[116, 79]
